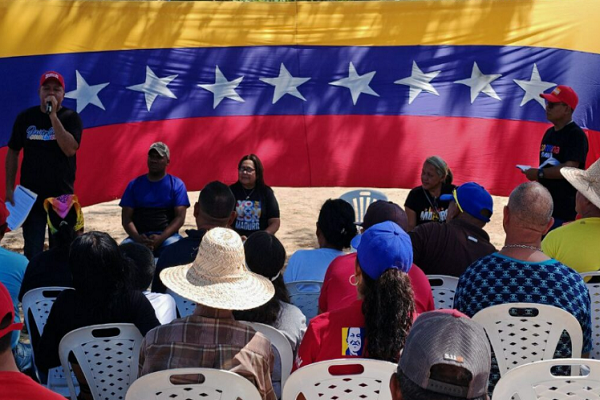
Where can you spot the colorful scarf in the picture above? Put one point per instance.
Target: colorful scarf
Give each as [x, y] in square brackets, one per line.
[61, 205]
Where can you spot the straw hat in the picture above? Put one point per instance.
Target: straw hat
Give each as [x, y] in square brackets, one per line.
[587, 182]
[219, 277]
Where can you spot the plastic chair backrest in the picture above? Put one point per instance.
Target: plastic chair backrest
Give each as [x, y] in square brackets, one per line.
[185, 307]
[443, 288]
[216, 384]
[39, 302]
[283, 346]
[535, 381]
[594, 289]
[108, 356]
[305, 296]
[319, 381]
[360, 201]
[519, 336]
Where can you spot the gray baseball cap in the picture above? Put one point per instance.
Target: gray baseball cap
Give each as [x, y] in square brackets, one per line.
[161, 149]
[447, 337]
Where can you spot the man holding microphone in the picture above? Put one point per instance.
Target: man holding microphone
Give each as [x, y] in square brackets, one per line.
[49, 135]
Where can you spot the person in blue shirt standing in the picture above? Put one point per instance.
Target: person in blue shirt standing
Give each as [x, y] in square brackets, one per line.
[154, 205]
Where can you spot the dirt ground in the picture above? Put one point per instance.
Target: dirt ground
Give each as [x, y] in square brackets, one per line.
[299, 211]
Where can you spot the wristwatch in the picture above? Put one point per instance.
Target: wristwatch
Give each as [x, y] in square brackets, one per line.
[540, 173]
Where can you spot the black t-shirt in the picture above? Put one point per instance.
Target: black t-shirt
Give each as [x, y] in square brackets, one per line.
[427, 207]
[567, 144]
[46, 170]
[254, 208]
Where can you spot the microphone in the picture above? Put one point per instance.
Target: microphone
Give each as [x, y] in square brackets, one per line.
[48, 107]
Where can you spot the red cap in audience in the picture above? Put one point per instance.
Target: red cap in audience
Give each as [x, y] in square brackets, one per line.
[7, 307]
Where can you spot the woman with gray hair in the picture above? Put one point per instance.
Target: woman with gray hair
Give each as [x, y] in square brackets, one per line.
[423, 203]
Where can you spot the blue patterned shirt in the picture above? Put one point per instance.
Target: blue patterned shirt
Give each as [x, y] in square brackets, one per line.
[497, 279]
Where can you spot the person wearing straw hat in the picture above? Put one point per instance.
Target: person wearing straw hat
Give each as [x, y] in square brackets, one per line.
[576, 244]
[218, 281]
[15, 385]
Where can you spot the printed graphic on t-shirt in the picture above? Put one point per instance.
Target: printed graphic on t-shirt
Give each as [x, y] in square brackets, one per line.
[248, 215]
[33, 133]
[432, 215]
[548, 151]
[352, 341]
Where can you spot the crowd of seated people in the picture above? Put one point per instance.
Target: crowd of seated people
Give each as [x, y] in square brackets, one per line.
[376, 301]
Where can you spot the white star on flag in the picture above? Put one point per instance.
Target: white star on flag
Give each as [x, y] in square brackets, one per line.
[534, 87]
[357, 84]
[86, 94]
[418, 81]
[222, 88]
[284, 84]
[154, 87]
[479, 82]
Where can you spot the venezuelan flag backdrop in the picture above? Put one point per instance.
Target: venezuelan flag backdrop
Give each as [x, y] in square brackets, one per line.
[327, 94]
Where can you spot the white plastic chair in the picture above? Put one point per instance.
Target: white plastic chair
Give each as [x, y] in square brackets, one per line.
[305, 296]
[534, 381]
[360, 201]
[39, 302]
[108, 356]
[443, 288]
[216, 385]
[316, 381]
[185, 307]
[517, 340]
[594, 289]
[280, 342]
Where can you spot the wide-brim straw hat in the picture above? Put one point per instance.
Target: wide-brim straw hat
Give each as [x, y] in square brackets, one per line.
[587, 182]
[219, 277]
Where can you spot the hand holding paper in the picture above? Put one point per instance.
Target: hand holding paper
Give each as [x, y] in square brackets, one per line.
[23, 202]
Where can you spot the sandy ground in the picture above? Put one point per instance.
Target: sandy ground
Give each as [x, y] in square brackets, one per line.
[299, 212]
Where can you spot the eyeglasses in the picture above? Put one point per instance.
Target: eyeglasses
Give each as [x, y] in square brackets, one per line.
[247, 170]
[456, 201]
[552, 105]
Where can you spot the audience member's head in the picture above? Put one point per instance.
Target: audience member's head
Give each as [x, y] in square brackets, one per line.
[447, 356]
[587, 183]
[97, 266]
[141, 264]
[218, 278]
[440, 167]
[335, 226]
[470, 202]
[215, 206]
[381, 211]
[265, 255]
[384, 256]
[259, 171]
[3, 216]
[65, 218]
[529, 210]
[7, 326]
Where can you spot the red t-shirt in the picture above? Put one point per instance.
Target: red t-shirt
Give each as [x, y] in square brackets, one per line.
[337, 292]
[18, 386]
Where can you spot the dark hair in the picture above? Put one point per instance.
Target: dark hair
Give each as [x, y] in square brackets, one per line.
[260, 179]
[336, 222]
[216, 200]
[412, 391]
[3, 228]
[388, 307]
[6, 340]
[141, 265]
[265, 255]
[98, 267]
[65, 233]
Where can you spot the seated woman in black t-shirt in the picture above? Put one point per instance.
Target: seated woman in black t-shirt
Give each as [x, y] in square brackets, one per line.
[423, 203]
[256, 206]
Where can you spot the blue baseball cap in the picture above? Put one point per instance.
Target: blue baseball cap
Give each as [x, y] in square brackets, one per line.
[384, 246]
[473, 199]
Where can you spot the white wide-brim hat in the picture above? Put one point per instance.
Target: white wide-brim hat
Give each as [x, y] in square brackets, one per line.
[587, 182]
[219, 277]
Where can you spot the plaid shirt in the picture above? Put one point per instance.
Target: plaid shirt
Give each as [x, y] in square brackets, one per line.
[210, 338]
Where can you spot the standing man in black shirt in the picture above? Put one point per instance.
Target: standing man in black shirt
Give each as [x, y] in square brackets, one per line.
[563, 145]
[49, 135]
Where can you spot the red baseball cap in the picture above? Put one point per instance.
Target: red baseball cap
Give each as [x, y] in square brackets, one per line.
[52, 75]
[7, 307]
[562, 94]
